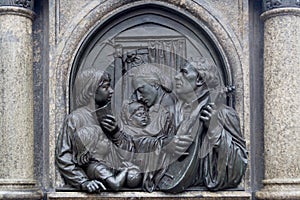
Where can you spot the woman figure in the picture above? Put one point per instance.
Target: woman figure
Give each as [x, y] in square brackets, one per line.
[93, 93]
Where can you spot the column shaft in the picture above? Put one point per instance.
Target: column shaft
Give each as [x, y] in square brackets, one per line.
[16, 103]
[282, 104]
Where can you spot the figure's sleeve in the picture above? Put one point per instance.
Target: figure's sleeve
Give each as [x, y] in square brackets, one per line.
[169, 126]
[226, 162]
[70, 171]
[123, 141]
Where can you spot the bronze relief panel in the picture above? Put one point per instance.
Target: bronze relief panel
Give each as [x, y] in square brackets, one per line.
[151, 109]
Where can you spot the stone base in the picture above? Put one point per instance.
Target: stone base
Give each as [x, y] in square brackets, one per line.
[22, 194]
[278, 195]
[203, 195]
[19, 189]
[277, 189]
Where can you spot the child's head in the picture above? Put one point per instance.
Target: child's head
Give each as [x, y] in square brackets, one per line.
[136, 114]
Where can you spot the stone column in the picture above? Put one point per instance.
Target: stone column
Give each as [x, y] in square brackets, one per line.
[282, 100]
[17, 180]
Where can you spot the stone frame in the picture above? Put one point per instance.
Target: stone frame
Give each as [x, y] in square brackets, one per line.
[63, 50]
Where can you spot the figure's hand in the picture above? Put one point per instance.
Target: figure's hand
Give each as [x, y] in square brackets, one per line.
[92, 186]
[178, 144]
[109, 124]
[182, 142]
[84, 158]
[209, 115]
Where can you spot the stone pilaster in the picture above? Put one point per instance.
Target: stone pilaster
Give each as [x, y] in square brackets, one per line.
[17, 179]
[282, 100]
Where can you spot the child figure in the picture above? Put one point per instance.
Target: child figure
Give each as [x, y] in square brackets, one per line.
[148, 154]
[151, 154]
[91, 142]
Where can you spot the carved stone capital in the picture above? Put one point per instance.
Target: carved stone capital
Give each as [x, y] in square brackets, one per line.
[280, 12]
[16, 11]
[273, 4]
[28, 4]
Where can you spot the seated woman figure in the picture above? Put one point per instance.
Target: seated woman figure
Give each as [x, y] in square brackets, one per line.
[92, 92]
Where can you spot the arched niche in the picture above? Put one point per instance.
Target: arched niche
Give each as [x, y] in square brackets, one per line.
[147, 33]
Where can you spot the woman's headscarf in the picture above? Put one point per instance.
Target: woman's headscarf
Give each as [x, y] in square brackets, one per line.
[86, 85]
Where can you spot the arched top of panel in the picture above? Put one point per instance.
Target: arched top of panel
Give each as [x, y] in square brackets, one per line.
[148, 33]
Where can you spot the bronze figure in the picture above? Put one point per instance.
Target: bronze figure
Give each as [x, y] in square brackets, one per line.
[85, 157]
